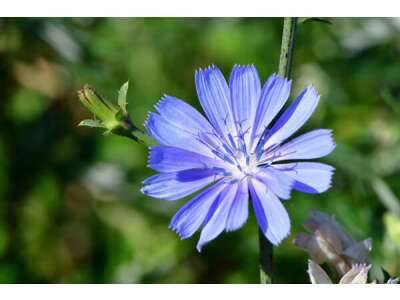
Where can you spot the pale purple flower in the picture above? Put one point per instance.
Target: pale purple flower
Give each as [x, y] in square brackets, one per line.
[237, 152]
[329, 243]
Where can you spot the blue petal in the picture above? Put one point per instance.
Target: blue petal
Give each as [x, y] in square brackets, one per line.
[270, 213]
[245, 91]
[215, 220]
[294, 117]
[168, 134]
[311, 177]
[213, 94]
[170, 159]
[313, 144]
[189, 218]
[174, 186]
[274, 94]
[239, 210]
[277, 181]
[182, 115]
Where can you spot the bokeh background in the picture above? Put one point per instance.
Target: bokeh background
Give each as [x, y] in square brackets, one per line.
[70, 206]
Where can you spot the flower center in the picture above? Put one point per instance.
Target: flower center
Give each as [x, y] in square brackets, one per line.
[246, 165]
[236, 151]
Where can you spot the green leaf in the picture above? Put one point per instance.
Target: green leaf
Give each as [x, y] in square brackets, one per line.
[122, 96]
[392, 224]
[91, 123]
[316, 19]
[387, 197]
[388, 97]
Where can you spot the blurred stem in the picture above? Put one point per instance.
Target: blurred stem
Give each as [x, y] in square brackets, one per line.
[285, 63]
[266, 252]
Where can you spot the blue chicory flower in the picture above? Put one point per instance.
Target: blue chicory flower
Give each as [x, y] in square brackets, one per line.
[237, 152]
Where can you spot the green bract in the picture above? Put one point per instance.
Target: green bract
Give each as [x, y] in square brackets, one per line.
[113, 118]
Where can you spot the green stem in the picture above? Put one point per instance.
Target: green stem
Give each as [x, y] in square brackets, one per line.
[288, 39]
[129, 130]
[285, 63]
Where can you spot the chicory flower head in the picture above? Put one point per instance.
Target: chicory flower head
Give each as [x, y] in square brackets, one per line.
[236, 152]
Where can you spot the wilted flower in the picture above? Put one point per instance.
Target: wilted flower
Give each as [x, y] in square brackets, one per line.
[328, 242]
[393, 281]
[358, 274]
[238, 151]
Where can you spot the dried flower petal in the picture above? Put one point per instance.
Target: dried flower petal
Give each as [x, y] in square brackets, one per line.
[393, 281]
[358, 274]
[317, 274]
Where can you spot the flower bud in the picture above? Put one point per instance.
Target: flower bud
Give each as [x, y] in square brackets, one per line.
[105, 111]
[113, 118]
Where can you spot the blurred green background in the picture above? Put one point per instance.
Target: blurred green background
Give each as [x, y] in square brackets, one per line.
[70, 206]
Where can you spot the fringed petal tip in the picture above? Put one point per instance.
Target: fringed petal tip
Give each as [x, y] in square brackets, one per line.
[310, 145]
[213, 67]
[311, 94]
[245, 66]
[206, 69]
[161, 101]
[278, 241]
[311, 89]
[236, 226]
[143, 191]
[149, 156]
[146, 121]
[330, 133]
[199, 247]
[181, 235]
[179, 228]
[312, 177]
[184, 235]
[168, 100]
[200, 244]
